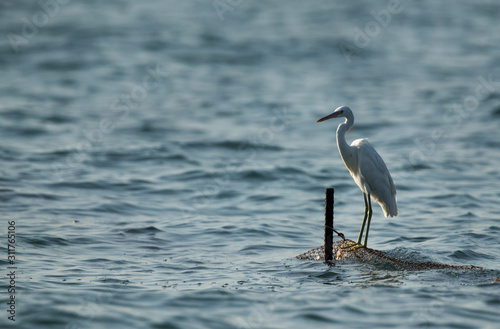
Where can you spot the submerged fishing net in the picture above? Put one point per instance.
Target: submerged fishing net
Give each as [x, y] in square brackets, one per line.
[341, 251]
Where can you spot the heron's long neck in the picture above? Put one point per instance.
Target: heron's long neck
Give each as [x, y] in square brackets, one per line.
[344, 148]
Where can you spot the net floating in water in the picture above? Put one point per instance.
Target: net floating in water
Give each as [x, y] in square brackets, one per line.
[341, 251]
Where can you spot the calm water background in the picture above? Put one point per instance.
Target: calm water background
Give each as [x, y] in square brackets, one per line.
[163, 166]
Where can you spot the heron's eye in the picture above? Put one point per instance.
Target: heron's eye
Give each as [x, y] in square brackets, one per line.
[341, 111]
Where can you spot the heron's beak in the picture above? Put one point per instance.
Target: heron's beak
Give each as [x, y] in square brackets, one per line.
[330, 116]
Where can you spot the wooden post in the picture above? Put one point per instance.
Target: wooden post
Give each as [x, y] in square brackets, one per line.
[329, 224]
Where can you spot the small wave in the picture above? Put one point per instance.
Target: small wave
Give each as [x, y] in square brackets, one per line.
[28, 131]
[409, 255]
[496, 112]
[143, 155]
[98, 185]
[45, 241]
[416, 167]
[98, 260]
[187, 175]
[168, 191]
[291, 170]
[43, 196]
[117, 208]
[234, 145]
[263, 197]
[112, 280]
[469, 254]
[58, 65]
[58, 118]
[224, 57]
[227, 194]
[264, 175]
[129, 185]
[142, 230]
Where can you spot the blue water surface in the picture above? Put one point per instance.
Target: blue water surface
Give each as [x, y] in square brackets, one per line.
[163, 167]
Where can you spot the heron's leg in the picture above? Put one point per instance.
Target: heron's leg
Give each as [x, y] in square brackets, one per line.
[369, 220]
[351, 246]
[364, 219]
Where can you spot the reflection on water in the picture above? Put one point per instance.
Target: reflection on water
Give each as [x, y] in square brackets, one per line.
[164, 166]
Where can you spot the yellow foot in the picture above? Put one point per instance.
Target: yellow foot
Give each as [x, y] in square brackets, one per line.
[351, 246]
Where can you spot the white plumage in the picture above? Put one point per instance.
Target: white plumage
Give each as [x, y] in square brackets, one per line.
[373, 177]
[366, 168]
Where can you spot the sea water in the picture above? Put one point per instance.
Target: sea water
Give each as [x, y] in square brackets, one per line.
[162, 167]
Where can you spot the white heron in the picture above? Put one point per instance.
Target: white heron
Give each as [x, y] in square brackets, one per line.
[368, 171]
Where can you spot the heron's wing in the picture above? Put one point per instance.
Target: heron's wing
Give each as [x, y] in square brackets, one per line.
[376, 176]
[370, 163]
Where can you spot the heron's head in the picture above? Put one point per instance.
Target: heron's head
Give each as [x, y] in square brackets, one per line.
[342, 111]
